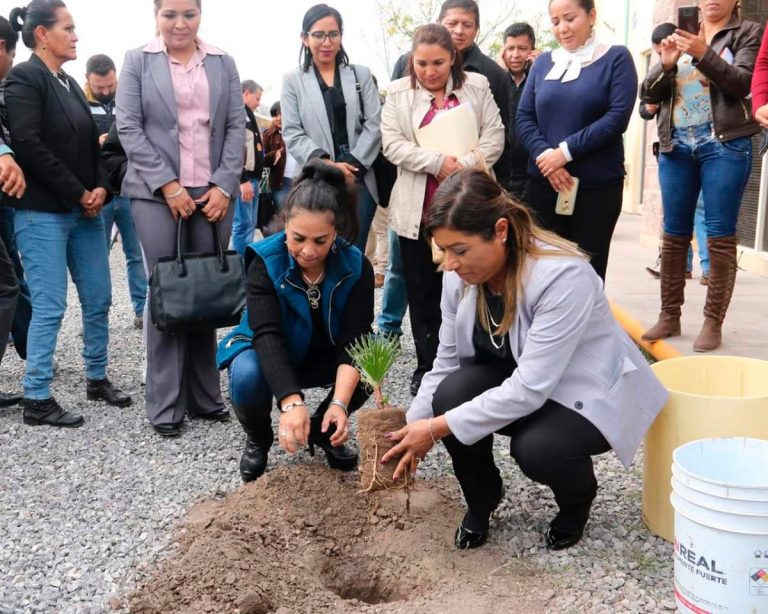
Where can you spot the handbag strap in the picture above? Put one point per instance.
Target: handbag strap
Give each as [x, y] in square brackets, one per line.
[359, 90]
[217, 246]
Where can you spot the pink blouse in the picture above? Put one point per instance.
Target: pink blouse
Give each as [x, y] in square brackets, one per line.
[193, 103]
[449, 102]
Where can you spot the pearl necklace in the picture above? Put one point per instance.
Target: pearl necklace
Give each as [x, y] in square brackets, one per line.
[313, 289]
[494, 325]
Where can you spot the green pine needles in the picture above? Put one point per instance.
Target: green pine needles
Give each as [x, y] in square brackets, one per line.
[374, 356]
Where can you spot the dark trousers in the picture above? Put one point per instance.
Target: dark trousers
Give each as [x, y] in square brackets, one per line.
[595, 214]
[424, 285]
[252, 397]
[182, 377]
[552, 446]
[9, 290]
[23, 314]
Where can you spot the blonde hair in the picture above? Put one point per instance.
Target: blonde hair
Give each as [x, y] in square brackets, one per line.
[471, 202]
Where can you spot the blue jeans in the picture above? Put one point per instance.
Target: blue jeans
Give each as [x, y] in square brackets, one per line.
[244, 221]
[697, 163]
[279, 195]
[119, 212]
[366, 210]
[700, 228]
[23, 313]
[394, 300]
[51, 243]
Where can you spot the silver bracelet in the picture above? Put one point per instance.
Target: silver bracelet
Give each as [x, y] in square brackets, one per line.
[223, 191]
[341, 404]
[289, 406]
[175, 194]
[431, 434]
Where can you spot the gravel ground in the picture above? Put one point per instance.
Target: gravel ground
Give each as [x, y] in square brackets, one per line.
[86, 512]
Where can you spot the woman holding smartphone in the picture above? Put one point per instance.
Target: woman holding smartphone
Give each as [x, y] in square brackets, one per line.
[702, 85]
[181, 122]
[574, 110]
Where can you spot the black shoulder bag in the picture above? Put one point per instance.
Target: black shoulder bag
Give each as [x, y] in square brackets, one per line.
[197, 291]
[384, 171]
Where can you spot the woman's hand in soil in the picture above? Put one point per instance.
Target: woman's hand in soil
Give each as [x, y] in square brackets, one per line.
[414, 441]
[293, 429]
[335, 415]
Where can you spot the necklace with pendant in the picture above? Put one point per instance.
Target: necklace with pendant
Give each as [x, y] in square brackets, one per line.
[494, 325]
[313, 289]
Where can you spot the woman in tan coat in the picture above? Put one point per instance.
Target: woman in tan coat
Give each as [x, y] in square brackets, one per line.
[437, 82]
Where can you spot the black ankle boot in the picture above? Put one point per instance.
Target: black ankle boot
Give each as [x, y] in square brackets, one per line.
[104, 390]
[48, 411]
[253, 462]
[343, 457]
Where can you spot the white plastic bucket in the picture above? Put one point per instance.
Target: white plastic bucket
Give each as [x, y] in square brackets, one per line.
[720, 498]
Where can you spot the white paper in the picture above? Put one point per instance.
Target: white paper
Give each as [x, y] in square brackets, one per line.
[452, 132]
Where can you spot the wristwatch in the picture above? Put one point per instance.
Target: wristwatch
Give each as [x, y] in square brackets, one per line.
[223, 191]
[289, 406]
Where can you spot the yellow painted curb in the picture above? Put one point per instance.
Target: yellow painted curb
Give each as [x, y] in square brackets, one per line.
[660, 350]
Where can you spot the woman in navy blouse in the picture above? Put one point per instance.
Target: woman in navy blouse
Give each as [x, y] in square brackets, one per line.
[571, 118]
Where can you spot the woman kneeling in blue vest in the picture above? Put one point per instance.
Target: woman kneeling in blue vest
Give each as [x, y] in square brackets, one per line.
[309, 296]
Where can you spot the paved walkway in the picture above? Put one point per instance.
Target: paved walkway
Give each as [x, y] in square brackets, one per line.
[745, 331]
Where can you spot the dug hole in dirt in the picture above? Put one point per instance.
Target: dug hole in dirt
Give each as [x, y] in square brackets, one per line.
[303, 539]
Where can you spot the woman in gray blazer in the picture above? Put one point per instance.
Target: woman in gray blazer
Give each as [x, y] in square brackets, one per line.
[180, 119]
[331, 110]
[528, 349]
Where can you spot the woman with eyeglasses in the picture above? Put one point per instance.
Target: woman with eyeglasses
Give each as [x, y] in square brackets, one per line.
[331, 110]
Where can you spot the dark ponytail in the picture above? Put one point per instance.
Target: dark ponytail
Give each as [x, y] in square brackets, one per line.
[322, 188]
[8, 34]
[36, 13]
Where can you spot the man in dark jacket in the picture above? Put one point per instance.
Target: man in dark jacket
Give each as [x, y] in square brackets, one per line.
[462, 19]
[100, 88]
[518, 55]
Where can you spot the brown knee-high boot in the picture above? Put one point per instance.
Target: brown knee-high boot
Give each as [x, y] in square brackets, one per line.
[674, 256]
[722, 276]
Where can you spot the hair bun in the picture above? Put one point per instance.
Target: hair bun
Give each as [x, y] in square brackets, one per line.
[320, 170]
[17, 18]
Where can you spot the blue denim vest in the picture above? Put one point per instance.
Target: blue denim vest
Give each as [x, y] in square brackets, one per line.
[342, 271]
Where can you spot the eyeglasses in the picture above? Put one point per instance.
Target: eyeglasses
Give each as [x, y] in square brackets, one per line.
[319, 36]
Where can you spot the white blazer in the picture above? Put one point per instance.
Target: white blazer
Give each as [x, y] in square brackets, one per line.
[305, 121]
[568, 348]
[404, 110]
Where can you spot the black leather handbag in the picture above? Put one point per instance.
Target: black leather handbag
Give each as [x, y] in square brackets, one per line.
[197, 291]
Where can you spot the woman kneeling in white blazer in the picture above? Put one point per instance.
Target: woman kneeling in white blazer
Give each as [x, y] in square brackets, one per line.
[529, 350]
[437, 82]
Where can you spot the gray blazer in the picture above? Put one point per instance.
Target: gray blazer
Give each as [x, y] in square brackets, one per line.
[568, 348]
[147, 123]
[306, 130]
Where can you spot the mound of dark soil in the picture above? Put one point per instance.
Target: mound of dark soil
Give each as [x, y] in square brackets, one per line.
[302, 539]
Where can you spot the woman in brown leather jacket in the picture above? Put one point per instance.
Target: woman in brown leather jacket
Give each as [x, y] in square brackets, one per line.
[702, 85]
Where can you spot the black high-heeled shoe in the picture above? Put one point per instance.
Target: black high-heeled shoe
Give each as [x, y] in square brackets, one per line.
[253, 462]
[466, 539]
[342, 457]
[560, 540]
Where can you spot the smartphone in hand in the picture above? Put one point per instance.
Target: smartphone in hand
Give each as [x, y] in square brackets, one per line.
[566, 201]
[688, 19]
